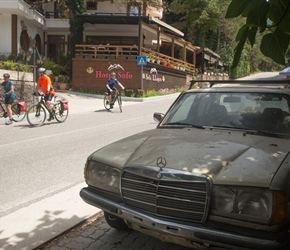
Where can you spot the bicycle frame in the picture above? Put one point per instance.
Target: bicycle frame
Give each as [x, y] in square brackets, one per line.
[41, 102]
[115, 95]
[36, 114]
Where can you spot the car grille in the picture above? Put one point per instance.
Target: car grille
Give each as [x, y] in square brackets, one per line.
[178, 200]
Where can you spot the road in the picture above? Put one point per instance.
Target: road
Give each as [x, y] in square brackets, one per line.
[43, 166]
[42, 169]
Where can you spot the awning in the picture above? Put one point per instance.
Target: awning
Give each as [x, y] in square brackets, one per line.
[106, 18]
[167, 26]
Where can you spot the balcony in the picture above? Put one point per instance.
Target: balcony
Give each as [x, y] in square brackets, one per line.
[122, 52]
[22, 9]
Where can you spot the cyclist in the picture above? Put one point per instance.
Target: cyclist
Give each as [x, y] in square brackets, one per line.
[9, 96]
[110, 87]
[45, 85]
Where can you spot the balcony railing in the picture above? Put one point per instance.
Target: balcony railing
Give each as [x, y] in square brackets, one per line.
[37, 7]
[91, 51]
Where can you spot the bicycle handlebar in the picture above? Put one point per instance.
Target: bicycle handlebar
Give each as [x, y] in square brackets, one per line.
[37, 94]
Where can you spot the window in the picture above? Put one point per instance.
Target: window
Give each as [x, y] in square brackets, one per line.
[111, 40]
[55, 46]
[91, 6]
[38, 43]
[133, 9]
[24, 40]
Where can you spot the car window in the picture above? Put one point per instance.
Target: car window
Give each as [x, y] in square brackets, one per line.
[253, 111]
[181, 109]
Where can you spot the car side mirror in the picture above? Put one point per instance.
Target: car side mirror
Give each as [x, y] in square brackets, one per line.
[158, 116]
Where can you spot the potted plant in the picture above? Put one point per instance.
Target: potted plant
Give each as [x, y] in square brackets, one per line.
[151, 58]
[61, 78]
[61, 82]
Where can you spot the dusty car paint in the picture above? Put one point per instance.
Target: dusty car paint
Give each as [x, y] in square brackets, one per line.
[205, 177]
[253, 161]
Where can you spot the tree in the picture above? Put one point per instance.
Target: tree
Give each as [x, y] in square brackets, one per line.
[202, 21]
[271, 18]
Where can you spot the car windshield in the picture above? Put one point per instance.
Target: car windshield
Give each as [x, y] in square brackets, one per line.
[264, 112]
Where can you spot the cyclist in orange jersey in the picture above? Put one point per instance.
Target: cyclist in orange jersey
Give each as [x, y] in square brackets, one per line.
[44, 84]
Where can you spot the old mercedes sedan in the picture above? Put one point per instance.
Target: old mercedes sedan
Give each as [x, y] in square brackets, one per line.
[214, 173]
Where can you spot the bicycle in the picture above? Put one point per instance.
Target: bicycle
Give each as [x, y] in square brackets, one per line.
[18, 110]
[36, 114]
[115, 96]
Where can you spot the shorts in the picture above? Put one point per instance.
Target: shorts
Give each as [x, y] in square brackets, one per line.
[48, 97]
[109, 92]
[9, 100]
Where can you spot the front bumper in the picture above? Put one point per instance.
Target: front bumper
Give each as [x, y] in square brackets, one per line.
[196, 233]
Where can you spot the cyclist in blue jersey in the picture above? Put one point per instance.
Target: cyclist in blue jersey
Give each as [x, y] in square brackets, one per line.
[9, 96]
[110, 87]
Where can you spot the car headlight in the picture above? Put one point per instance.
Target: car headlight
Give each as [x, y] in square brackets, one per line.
[102, 176]
[244, 204]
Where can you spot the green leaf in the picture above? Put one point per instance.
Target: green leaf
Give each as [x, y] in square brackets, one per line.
[252, 35]
[236, 8]
[275, 45]
[257, 16]
[279, 14]
[243, 32]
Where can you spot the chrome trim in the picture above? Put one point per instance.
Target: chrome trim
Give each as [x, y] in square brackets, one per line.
[172, 194]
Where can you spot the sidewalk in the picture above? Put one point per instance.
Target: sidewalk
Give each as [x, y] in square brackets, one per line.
[31, 226]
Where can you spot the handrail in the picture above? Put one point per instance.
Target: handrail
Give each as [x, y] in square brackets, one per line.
[130, 52]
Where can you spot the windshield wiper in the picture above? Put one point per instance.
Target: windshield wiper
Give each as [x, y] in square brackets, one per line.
[183, 124]
[252, 131]
[261, 132]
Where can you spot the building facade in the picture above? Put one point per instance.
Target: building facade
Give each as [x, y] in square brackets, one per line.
[107, 25]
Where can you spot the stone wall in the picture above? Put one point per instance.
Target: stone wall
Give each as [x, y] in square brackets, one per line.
[23, 85]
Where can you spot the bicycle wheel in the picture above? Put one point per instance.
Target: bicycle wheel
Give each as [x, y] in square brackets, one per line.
[36, 115]
[59, 113]
[17, 114]
[3, 113]
[120, 102]
[106, 102]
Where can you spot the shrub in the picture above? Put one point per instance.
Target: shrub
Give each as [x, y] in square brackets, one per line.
[140, 93]
[10, 65]
[129, 92]
[51, 65]
[151, 92]
[11, 57]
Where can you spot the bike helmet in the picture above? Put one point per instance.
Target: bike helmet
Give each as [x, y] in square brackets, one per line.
[41, 70]
[6, 75]
[113, 74]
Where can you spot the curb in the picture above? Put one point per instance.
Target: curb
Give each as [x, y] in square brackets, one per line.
[125, 98]
[79, 226]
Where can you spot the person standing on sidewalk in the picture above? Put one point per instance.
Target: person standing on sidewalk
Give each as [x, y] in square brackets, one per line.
[9, 96]
[45, 85]
[110, 87]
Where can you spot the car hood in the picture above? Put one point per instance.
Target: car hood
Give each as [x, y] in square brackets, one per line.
[227, 157]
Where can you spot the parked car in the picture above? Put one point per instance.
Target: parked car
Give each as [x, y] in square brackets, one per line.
[214, 173]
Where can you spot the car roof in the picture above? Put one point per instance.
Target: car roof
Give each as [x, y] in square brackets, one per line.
[277, 86]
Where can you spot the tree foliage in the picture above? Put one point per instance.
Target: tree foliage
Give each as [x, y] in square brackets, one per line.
[271, 18]
[203, 22]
